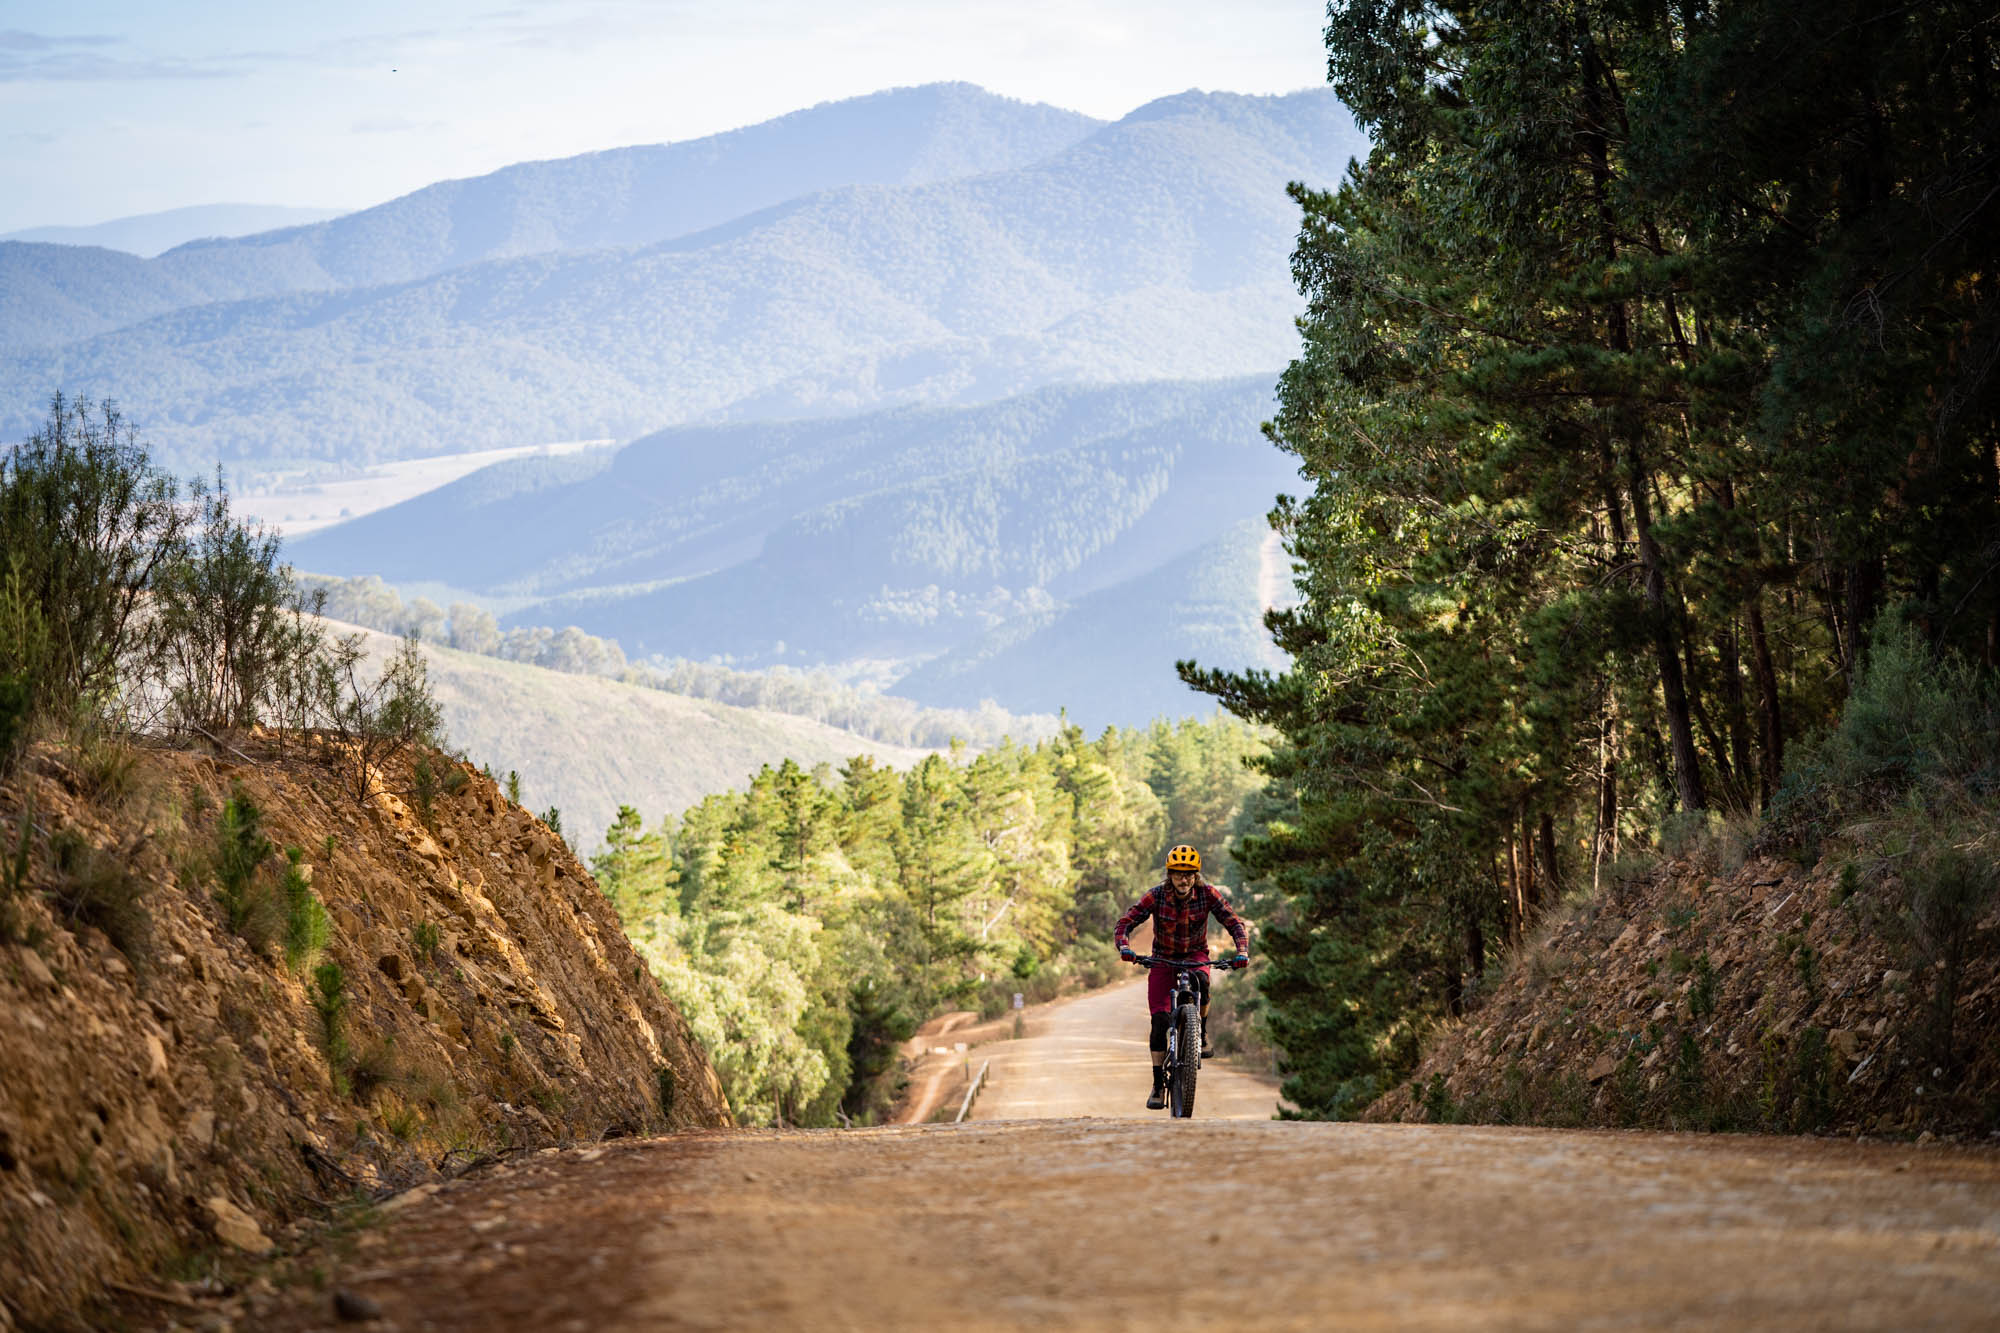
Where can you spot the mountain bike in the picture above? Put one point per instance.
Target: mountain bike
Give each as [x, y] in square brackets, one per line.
[1182, 1064]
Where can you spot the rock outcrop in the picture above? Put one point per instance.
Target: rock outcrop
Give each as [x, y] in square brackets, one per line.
[171, 1092]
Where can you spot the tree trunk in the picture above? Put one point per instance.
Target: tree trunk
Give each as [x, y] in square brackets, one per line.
[1864, 597]
[1771, 760]
[1516, 907]
[1604, 840]
[1551, 875]
[1673, 685]
[1531, 888]
[1724, 773]
[1735, 713]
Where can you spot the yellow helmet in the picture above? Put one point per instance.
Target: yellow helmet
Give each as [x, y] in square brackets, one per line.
[1184, 857]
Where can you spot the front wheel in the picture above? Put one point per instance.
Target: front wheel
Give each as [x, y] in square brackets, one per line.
[1180, 1090]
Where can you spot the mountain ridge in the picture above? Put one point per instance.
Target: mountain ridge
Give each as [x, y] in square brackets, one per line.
[1156, 249]
[617, 197]
[149, 235]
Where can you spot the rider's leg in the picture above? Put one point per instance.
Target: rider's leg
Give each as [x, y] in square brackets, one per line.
[1207, 1046]
[1158, 1098]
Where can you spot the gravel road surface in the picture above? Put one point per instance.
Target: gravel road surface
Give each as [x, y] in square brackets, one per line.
[1087, 1056]
[1128, 1224]
[1066, 1205]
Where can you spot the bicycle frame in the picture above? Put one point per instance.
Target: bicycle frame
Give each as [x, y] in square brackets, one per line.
[1180, 1065]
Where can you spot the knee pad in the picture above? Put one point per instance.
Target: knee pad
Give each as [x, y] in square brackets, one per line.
[1160, 1022]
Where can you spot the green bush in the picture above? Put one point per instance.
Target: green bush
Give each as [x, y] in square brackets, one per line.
[1949, 891]
[424, 790]
[306, 926]
[240, 851]
[85, 521]
[1914, 721]
[329, 1001]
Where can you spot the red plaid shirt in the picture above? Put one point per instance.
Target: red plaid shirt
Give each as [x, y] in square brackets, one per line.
[1180, 925]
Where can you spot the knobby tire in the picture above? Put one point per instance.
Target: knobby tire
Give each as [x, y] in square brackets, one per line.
[1181, 1088]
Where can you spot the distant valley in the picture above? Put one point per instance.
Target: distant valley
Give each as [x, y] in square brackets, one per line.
[1055, 550]
[933, 388]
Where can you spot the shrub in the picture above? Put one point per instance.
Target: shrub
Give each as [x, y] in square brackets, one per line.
[379, 720]
[306, 924]
[240, 852]
[14, 877]
[221, 633]
[329, 1001]
[1914, 721]
[424, 790]
[1949, 891]
[513, 787]
[14, 702]
[373, 1068]
[105, 765]
[424, 941]
[86, 522]
[96, 888]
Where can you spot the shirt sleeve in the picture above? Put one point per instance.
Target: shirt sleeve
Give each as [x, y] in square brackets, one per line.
[1231, 922]
[1134, 914]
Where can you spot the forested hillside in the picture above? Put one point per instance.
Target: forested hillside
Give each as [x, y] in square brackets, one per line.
[1649, 400]
[618, 198]
[807, 926]
[1055, 550]
[1152, 248]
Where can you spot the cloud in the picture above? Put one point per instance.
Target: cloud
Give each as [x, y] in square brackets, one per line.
[14, 39]
[35, 57]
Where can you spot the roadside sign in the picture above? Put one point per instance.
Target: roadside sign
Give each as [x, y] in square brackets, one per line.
[1019, 1001]
[958, 1046]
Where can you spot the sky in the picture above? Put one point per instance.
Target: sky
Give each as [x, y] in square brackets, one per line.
[110, 108]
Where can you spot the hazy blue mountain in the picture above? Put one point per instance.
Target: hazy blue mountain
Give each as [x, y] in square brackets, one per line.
[1156, 247]
[618, 198]
[898, 535]
[56, 294]
[1108, 657]
[149, 234]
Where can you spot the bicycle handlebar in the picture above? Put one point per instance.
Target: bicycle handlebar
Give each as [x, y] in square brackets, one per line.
[1184, 965]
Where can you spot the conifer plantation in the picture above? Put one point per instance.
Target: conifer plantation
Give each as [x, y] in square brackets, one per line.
[1647, 385]
[805, 926]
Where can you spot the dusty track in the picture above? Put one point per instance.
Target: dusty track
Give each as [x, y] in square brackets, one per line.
[1283, 1225]
[1087, 1056]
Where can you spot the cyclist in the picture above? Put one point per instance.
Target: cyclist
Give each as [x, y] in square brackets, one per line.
[1180, 906]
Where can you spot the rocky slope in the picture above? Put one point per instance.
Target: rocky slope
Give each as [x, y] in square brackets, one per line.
[172, 1096]
[1765, 997]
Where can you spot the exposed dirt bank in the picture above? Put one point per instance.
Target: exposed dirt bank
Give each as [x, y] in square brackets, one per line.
[1767, 998]
[177, 1096]
[1090, 1224]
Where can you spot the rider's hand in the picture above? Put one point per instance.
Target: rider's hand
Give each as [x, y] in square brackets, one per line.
[1241, 960]
[1128, 955]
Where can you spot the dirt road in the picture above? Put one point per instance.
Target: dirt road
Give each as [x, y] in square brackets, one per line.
[1087, 1056]
[1125, 1218]
[1119, 1224]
